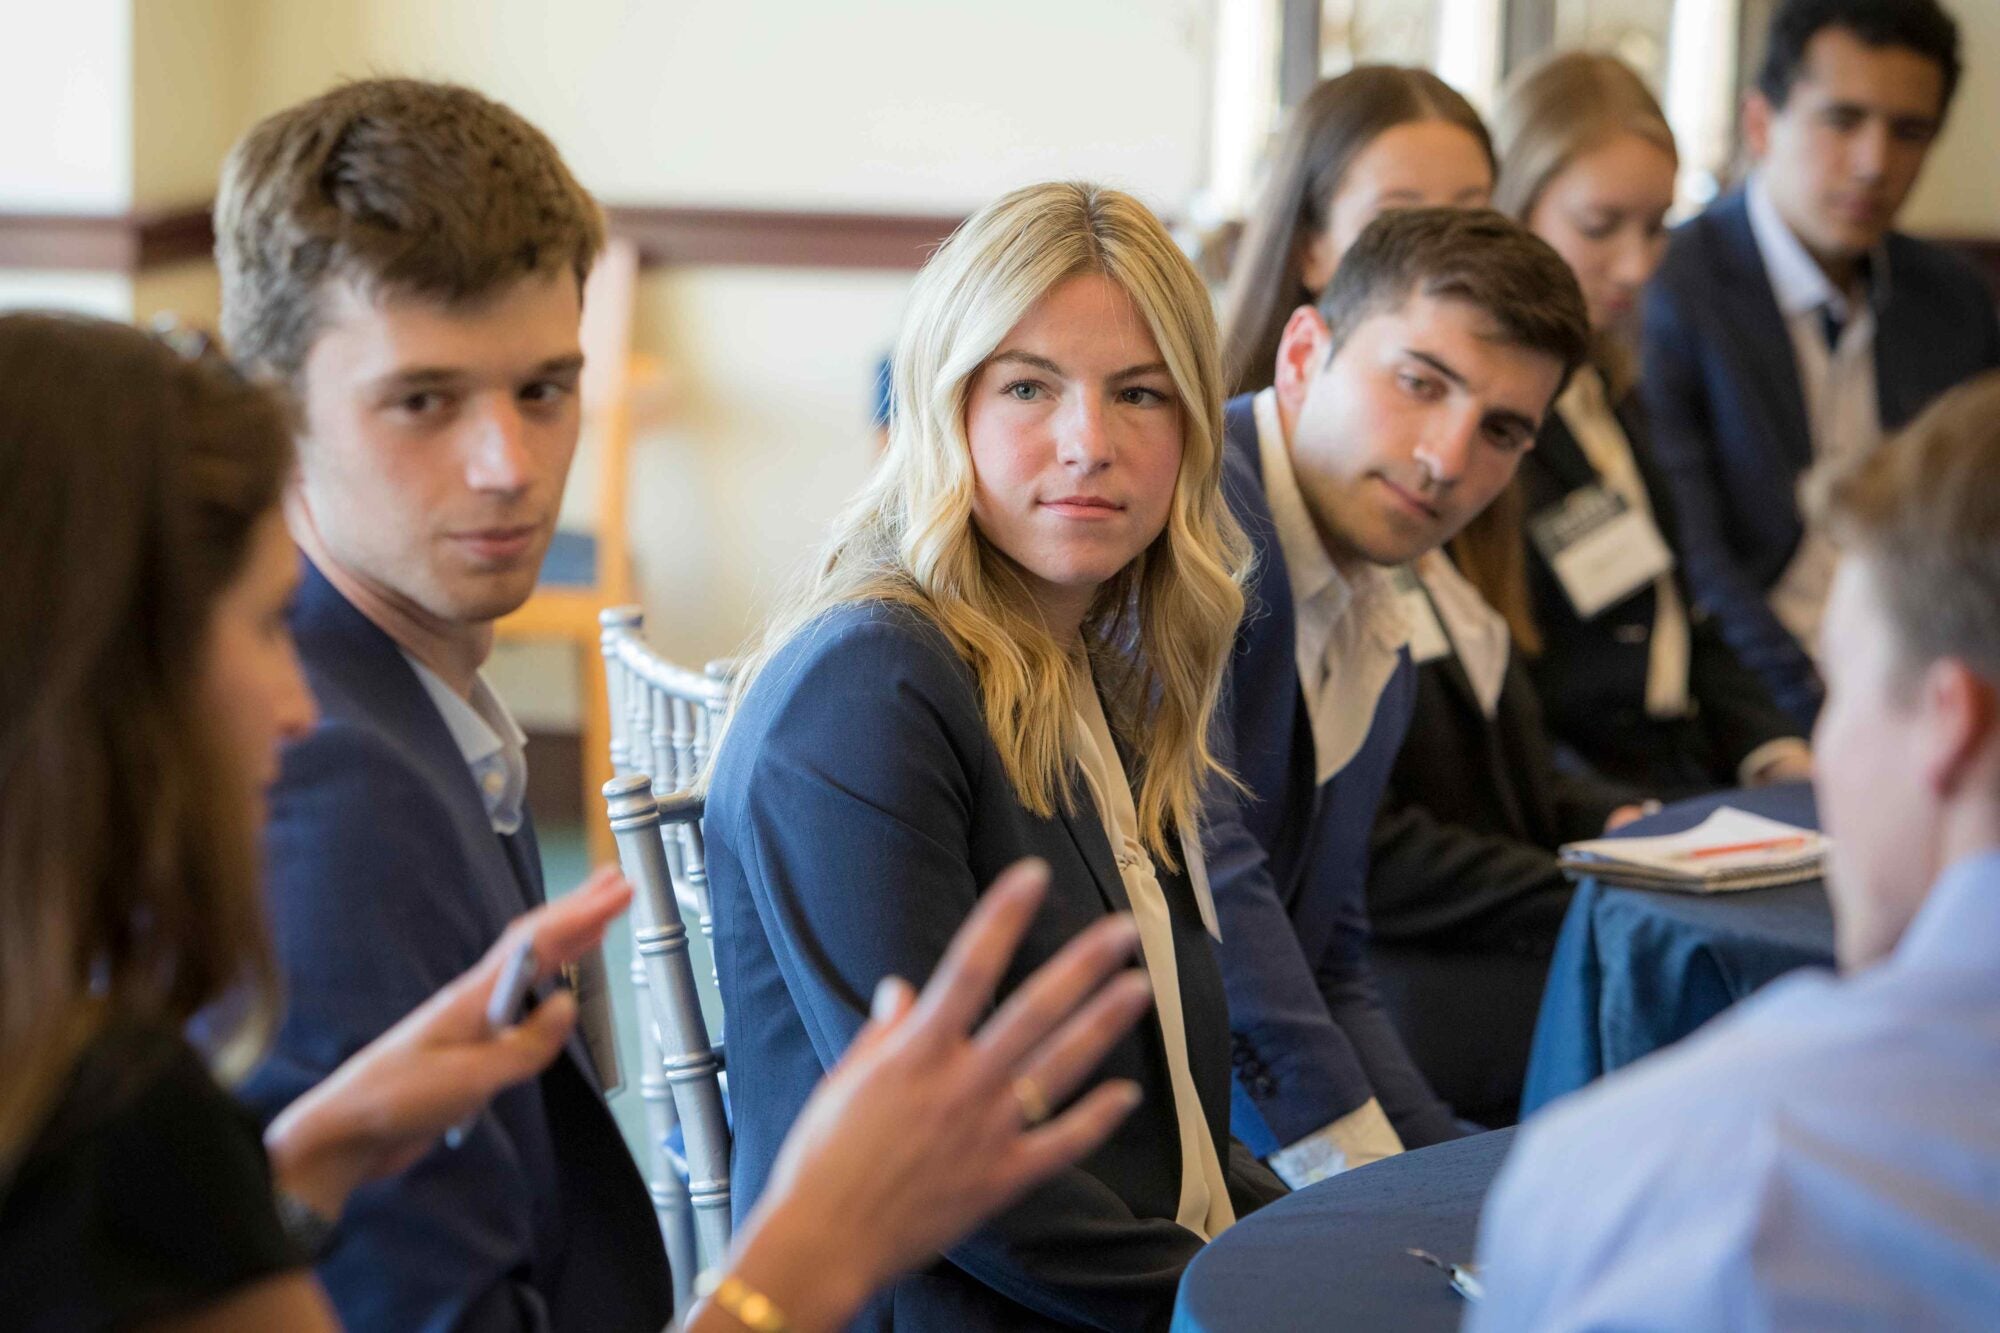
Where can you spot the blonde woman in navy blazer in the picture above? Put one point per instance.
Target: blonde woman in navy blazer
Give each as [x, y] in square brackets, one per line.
[1046, 536]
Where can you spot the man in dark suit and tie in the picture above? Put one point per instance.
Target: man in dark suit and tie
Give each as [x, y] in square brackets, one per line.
[1789, 323]
[408, 258]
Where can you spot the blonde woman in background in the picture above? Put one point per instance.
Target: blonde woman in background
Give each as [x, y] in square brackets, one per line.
[1011, 647]
[1632, 678]
[1377, 137]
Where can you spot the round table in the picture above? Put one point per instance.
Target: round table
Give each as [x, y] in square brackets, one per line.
[1638, 969]
[1334, 1255]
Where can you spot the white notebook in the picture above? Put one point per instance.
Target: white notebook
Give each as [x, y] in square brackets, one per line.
[1731, 849]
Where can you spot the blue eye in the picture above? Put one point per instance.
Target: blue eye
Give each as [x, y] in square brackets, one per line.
[1024, 391]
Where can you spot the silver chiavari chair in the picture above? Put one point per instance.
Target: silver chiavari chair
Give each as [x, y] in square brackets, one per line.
[663, 717]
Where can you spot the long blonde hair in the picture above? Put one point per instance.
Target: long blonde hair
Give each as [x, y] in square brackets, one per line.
[1159, 632]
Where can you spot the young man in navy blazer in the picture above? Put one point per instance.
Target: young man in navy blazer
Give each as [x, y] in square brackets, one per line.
[408, 258]
[1401, 407]
[1790, 324]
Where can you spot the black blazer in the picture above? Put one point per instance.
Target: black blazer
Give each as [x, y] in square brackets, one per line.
[857, 810]
[1591, 674]
[1464, 849]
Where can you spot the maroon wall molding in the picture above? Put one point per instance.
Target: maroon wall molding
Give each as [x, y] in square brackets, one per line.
[132, 242]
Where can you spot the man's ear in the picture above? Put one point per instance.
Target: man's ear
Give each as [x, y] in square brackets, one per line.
[1302, 350]
[1961, 720]
[1757, 113]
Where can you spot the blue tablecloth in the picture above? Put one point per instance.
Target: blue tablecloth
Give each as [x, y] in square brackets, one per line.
[1333, 1255]
[1638, 969]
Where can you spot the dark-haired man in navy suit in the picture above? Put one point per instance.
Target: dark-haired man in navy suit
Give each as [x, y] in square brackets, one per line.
[1401, 408]
[409, 259]
[1789, 323]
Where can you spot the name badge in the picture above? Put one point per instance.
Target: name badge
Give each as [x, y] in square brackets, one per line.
[1427, 637]
[1601, 549]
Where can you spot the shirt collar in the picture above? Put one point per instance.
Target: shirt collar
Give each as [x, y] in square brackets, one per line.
[488, 739]
[1317, 582]
[1959, 924]
[1799, 283]
[1313, 573]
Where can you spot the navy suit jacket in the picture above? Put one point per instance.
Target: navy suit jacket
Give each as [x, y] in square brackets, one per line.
[1288, 863]
[1721, 390]
[1591, 674]
[386, 880]
[857, 810]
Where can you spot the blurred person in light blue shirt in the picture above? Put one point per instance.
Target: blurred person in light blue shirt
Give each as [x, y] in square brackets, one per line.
[1827, 1156]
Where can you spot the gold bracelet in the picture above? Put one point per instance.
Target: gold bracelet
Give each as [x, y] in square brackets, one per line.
[749, 1306]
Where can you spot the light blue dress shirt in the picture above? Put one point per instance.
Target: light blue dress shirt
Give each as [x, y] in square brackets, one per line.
[1824, 1156]
[494, 746]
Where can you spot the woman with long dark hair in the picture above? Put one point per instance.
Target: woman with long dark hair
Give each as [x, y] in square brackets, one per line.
[147, 678]
[1377, 137]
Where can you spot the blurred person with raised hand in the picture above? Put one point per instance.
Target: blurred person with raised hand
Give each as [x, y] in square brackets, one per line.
[148, 684]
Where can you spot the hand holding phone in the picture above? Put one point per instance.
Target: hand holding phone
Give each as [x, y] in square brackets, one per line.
[503, 1004]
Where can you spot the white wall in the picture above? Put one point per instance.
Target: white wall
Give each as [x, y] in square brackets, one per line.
[188, 94]
[66, 98]
[872, 104]
[1959, 192]
[876, 105]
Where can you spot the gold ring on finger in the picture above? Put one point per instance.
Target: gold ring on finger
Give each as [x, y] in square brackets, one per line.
[1034, 1102]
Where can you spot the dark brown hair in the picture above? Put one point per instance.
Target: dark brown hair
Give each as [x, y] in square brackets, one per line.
[1489, 261]
[1924, 511]
[1474, 255]
[1921, 26]
[134, 479]
[408, 187]
[1322, 136]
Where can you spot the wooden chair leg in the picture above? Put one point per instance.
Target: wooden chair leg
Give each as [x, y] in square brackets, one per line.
[596, 764]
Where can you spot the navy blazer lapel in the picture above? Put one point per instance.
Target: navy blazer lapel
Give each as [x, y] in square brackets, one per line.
[356, 668]
[1762, 338]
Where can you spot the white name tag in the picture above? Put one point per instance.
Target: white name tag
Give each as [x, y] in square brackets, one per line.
[1427, 637]
[1601, 549]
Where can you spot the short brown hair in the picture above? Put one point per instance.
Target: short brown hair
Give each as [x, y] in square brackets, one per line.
[1473, 255]
[425, 189]
[128, 866]
[1924, 511]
